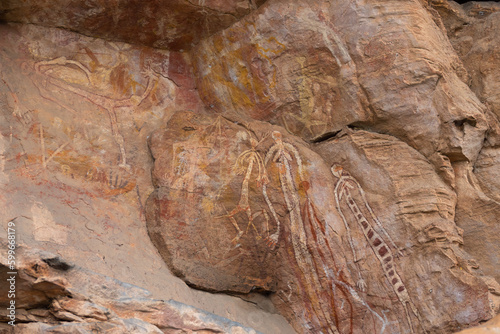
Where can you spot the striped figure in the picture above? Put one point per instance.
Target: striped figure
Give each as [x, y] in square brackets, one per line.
[379, 247]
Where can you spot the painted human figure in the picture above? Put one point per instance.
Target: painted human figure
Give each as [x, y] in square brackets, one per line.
[283, 153]
[245, 164]
[372, 229]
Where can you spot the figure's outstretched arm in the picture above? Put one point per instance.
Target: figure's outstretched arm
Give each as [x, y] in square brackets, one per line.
[270, 153]
[238, 165]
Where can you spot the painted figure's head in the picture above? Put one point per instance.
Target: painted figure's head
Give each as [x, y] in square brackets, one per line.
[276, 136]
[337, 170]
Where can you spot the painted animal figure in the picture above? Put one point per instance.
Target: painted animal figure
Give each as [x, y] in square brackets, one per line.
[369, 225]
[111, 105]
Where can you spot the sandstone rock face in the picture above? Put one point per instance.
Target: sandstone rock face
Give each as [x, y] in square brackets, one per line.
[491, 326]
[162, 24]
[53, 290]
[282, 75]
[76, 170]
[333, 163]
[338, 64]
[472, 29]
[475, 43]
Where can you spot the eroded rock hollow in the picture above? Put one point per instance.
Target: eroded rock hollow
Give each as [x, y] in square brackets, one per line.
[250, 166]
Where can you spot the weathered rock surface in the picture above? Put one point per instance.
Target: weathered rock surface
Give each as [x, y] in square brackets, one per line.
[162, 24]
[476, 43]
[478, 214]
[299, 76]
[492, 326]
[385, 67]
[58, 297]
[473, 31]
[75, 114]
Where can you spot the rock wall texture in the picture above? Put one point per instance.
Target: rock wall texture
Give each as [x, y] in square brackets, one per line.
[476, 42]
[295, 166]
[76, 169]
[489, 327]
[175, 25]
[58, 297]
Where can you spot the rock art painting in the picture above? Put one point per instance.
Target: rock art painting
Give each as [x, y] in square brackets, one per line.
[385, 251]
[263, 213]
[109, 104]
[252, 202]
[393, 230]
[75, 115]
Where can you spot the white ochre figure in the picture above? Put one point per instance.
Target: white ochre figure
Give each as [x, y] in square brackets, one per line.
[281, 153]
[110, 104]
[285, 155]
[370, 225]
[245, 164]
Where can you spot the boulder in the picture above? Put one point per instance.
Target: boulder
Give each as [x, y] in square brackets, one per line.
[59, 297]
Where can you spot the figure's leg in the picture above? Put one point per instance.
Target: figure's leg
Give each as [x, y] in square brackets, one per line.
[408, 318]
[252, 217]
[230, 216]
[271, 240]
[417, 314]
[240, 232]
